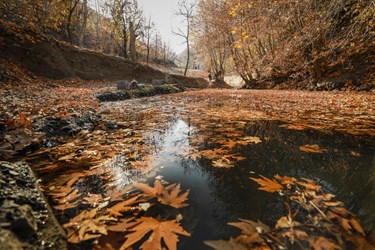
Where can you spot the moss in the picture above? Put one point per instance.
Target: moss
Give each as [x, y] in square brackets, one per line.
[139, 92]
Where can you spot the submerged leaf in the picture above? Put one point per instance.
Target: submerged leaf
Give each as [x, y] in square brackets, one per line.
[231, 244]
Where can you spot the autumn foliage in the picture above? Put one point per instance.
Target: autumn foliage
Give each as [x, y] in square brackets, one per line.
[286, 40]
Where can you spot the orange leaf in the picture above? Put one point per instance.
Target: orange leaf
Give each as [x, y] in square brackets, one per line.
[268, 184]
[311, 149]
[24, 121]
[166, 230]
[166, 195]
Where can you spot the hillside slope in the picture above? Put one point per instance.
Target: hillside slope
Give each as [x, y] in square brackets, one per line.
[57, 60]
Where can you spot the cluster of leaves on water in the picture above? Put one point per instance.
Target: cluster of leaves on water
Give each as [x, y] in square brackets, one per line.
[130, 212]
[313, 220]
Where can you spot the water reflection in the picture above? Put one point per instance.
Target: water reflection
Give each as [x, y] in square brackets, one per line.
[346, 167]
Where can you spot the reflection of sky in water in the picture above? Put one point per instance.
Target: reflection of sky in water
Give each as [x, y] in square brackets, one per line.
[218, 196]
[222, 195]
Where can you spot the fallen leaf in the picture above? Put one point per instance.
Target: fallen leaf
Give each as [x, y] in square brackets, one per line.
[311, 148]
[309, 184]
[124, 206]
[268, 184]
[322, 243]
[166, 230]
[250, 139]
[87, 225]
[169, 195]
[223, 163]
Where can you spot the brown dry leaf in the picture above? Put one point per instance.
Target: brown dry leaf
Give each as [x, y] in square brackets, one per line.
[93, 200]
[333, 203]
[268, 184]
[322, 243]
[356, 226]
[166, 230]
[309, 184]
[294, 127]
[222, 163]
[148, 190]
[194, 155]
[85, 226]
[231, 244]
[24, 121]
[249, 238]
[247, 227]
[215, 153]
[229, 144]
[284, 222]
[122, 225]
[249, 140]
[170, 196]
[166, 195]
[311, 148]
[286, 180]
[127, 205]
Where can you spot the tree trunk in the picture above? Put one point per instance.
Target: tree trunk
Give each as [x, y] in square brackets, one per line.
[68, 26]
[84, 23]
[133, 52]
[125, 43]
[148, 50]
[188, 57]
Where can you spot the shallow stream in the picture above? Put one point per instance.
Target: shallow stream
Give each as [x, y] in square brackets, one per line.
[345, 167]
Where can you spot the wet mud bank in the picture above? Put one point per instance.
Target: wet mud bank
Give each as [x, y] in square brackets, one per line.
[26, 220]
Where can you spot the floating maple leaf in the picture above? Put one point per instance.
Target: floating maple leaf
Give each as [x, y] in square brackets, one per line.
[309, 184]
[124, 206]
[311, 148]
[166, 230]
[166, 195]
[250, 237]
[250, 139]
[87, 225]
[222, 163]
[268, 184]
[286, 179]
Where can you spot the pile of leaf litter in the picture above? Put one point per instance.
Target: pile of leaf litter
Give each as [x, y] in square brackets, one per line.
[102, 154]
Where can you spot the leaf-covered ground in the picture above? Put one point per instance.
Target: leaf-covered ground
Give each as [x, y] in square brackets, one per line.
[88, 152]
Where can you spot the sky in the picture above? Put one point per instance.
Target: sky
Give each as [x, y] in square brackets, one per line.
[162, 14]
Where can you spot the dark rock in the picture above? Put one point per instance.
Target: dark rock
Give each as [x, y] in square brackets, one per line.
[26, 220]
[134, 84]
[53, 127]
[9, 241]
[113, 96]
[122, 84]
[23, 223]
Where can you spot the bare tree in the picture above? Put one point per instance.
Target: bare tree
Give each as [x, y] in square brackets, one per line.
[148, 33]
[135, 21]
[187, 11]
[71, 7]
[84, 22]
